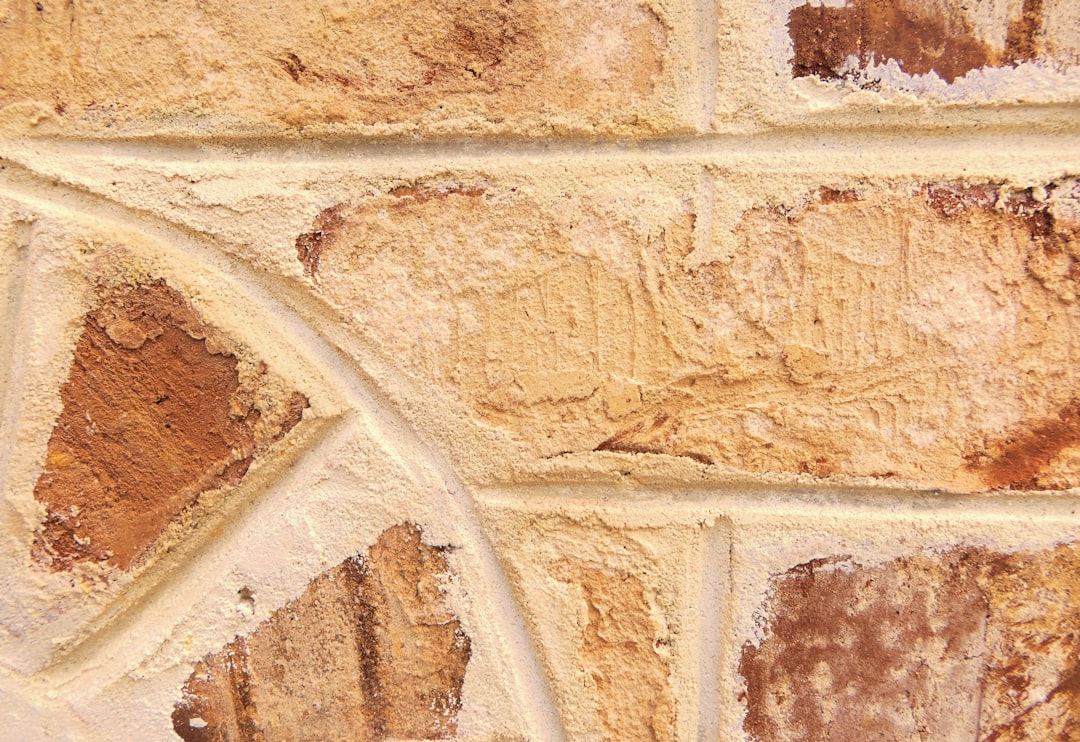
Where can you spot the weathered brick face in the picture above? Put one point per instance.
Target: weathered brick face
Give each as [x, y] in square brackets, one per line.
[913, 332]
[376, 67]
[155, 413]
[370, 651]
[949, 39]
[966, 644]
[514, 370]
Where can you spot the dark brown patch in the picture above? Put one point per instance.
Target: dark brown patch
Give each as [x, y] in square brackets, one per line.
[834, 196]
[951, 200]
[875, 31]
[871, 632]
[968, 644]
[1017, 460]
[151, 419]
[369, 651]
[655, 435]
[293, 66]
[1023, 38]
[309, 246]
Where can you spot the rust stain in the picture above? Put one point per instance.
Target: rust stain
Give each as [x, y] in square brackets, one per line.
[966, 644]
[835, 196]
[1023, 38]
[309, 246]
[654, 436]
[871, 30]
[369, 651]
[151, 418]
[1016, 460]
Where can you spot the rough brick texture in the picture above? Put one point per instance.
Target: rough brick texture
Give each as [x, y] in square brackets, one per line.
[964, 645]
[369, 651]
[657, 370]
[155, 413]
[384, 67]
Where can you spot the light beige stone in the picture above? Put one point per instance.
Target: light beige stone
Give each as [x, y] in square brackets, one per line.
[913, 332]
[605, 604]
[617, 67]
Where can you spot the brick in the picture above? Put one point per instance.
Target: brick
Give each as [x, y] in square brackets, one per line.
[601, 602]
[380, 68]
[369, 651]
[949, 39]
[905, 62]
[156, 411]
[936, 353]
[958, 645]
[933, 352]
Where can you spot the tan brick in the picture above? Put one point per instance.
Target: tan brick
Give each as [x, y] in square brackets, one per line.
[369, 651]
[389, 67]
[602, 604]
[156, 412]
[965, 644]
[915, 332]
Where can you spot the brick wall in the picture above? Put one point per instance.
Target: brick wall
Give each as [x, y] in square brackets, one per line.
[509, 370]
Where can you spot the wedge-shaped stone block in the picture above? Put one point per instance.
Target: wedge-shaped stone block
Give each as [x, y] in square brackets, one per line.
[157, 410]
[621, 67]
[966, 644]
[370, 651]
[604, 604]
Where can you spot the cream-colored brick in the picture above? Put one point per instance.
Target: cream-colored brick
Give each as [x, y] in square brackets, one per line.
[609, 607]
[911, 331]
[620, 67]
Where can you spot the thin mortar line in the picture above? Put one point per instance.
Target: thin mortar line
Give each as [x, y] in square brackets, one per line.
[690, 502]
[403, 442]
[708, 30]
[898, 135]
[11, 337]
[713, 604]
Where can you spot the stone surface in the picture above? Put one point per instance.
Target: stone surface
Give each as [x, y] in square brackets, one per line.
[923, 36]
[370, 651]
[968, 644]
[386, 67]
[157, 410]
[602, 605]
[937, 352]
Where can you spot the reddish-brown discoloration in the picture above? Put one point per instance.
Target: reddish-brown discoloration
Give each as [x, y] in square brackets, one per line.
[369, 651]
[650, 436]
[969, 644]
[870, 640]
[422, 193]
[309, 246]
[1022, 40]
[1017, 460]
[871, 30]
[151, 419]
